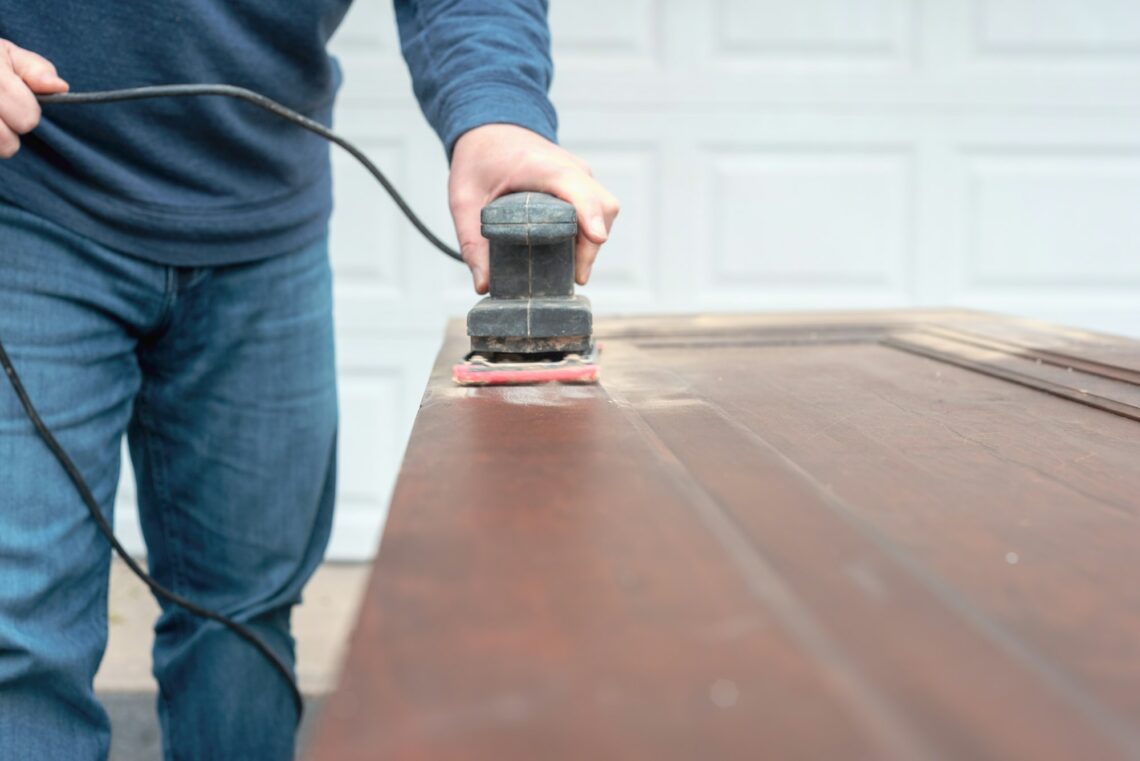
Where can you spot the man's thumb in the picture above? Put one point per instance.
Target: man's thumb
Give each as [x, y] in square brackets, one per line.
[37, 72]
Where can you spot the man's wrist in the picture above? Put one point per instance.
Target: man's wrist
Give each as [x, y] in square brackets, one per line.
[498, 103]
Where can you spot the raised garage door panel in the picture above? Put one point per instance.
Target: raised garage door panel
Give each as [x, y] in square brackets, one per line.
[894, 535]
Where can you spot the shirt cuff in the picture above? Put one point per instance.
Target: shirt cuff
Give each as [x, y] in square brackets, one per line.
[497, 103]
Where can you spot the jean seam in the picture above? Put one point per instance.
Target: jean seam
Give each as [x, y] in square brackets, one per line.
[155, 471]
[169, 298]
[169, 744]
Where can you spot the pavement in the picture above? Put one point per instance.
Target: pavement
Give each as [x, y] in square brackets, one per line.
[321, 626]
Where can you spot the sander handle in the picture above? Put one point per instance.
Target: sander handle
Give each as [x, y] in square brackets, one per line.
[529, 218]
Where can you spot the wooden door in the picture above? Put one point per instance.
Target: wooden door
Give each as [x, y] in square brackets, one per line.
[903, 535]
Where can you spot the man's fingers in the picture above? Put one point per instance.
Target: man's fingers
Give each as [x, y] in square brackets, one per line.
[472, 245]
[577, 188]
[596, 207]
[494, 159]
[476, 253]
[22, 74]
[597, 228]
[611, 207]
[9, 142]
[19, 110]
[38, 72]
[584, 256]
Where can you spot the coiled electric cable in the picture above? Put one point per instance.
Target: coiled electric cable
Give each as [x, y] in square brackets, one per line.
[268, 104]
[69, 467]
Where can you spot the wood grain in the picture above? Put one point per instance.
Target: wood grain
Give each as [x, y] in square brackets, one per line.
[889, 535]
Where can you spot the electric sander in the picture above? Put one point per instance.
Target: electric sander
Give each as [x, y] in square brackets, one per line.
[532, 327]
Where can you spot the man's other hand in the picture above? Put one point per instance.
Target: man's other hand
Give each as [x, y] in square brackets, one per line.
[496, 159]
[23, 75]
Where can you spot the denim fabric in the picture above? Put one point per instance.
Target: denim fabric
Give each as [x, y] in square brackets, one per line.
[223, 380]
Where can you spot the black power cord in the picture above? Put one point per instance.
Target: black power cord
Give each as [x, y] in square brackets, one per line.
[270, 105]
[175, 91]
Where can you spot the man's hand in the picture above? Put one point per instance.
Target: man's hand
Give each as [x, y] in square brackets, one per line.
[23, 75]
[495, 159]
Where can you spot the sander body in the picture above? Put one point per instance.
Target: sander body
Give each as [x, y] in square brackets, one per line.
[531, 327]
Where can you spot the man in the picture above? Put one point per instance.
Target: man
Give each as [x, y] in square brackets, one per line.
[164, 273]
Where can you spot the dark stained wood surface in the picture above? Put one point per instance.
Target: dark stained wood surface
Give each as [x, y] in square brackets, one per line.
[906, 535]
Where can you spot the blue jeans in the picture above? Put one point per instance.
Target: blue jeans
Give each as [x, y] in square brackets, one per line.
[222, 379]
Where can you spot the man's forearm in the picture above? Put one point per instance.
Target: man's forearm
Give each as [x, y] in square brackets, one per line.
[476, 62]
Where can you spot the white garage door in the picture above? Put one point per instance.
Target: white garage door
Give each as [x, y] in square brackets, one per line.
[770, 154]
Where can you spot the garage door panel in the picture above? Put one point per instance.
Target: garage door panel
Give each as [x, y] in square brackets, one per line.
[597, 34]
[791, 216]
[834, 30]
[1051, 27]
[1055, 218]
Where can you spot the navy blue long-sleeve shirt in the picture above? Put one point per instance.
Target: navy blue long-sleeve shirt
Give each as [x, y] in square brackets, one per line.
[209, 181]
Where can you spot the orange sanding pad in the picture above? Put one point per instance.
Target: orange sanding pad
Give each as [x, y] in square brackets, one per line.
[574, 369]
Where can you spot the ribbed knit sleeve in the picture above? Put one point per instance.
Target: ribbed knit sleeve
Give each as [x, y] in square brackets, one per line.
[476, 62]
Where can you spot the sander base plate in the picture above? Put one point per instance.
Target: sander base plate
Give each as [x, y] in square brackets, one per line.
[481, 370]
